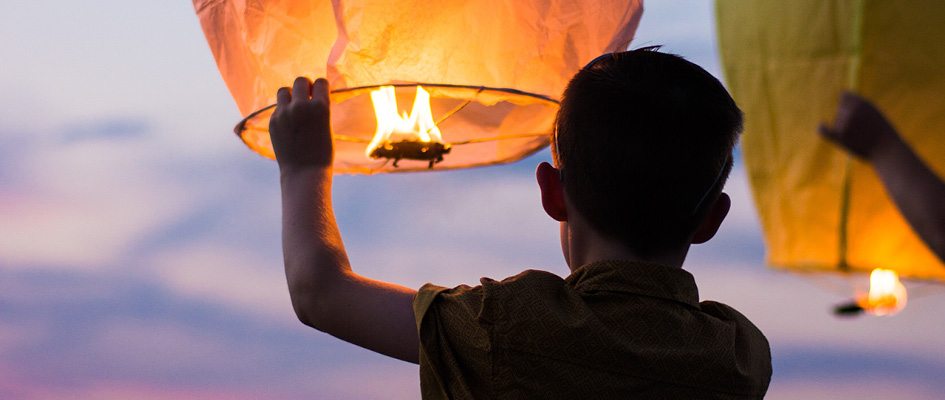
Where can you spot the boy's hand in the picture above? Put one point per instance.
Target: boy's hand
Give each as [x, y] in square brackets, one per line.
[300, 126]
[859, 127]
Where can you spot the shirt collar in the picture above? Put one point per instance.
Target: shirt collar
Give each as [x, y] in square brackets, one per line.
[641, 278]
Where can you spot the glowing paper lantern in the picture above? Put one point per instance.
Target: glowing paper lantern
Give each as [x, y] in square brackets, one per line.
[492, 70]
[786, 62]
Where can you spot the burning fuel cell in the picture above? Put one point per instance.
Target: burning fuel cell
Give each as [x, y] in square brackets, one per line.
[411, 150]
[887, 296]
[413, 136]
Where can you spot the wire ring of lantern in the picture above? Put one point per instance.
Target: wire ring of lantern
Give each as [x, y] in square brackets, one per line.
[241, 126]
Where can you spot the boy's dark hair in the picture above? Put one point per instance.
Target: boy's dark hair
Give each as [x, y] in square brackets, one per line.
[644, 141]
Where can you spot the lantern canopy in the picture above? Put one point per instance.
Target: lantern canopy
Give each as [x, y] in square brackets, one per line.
[492, 70]
[786, 63]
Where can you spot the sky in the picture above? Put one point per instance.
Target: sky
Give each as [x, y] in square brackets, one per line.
[140, 250]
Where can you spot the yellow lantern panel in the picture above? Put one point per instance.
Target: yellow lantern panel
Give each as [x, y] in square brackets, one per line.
[786, 64]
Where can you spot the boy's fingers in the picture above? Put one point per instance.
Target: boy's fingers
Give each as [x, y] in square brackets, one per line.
[320, 91]
[833, 136]
[851, 100]
[283, 97]
[301, 89]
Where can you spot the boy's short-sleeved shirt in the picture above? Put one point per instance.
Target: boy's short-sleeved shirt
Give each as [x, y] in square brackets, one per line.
[611, 329]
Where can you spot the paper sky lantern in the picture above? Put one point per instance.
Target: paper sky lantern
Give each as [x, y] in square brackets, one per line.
[451, 83]
[786, 63]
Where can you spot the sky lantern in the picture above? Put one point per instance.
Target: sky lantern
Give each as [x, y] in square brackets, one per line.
[786, 63]
[415, 84]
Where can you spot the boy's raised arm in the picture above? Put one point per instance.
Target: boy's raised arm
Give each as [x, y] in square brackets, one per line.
[862, 129]
[326, 294]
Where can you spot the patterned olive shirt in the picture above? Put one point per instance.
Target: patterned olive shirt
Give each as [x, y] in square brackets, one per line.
[610, 330]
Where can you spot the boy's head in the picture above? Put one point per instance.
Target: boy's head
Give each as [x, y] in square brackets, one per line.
[643, 141]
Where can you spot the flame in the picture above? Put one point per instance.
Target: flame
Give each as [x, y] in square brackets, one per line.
[887, 295]
[416, 126]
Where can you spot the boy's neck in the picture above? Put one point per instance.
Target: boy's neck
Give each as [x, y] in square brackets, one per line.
[583, 246]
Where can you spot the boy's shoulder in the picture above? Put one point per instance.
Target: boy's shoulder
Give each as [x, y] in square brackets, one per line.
[490, 298]
[639, 322]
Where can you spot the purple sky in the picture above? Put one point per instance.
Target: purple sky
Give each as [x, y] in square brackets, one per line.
[139, 239]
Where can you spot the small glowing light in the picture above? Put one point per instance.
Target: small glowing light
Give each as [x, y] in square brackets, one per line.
[887, 295]
[413, 136]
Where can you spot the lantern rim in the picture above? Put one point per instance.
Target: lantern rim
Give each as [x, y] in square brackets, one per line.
[253, 127]
[241, 125]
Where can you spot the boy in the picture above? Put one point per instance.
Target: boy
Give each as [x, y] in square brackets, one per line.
[642, 149]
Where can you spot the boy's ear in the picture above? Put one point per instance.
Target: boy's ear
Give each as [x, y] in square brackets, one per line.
[713, 220]
[552, 191]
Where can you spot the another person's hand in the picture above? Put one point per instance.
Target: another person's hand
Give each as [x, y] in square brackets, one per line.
[300, 126]
[859, 127]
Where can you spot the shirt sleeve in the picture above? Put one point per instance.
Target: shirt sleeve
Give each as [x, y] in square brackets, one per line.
[455, 345]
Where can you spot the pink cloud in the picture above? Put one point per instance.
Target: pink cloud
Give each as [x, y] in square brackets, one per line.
[866, 388]
[85, 204]
[236, 278]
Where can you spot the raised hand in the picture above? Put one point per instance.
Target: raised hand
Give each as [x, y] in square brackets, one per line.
[917, 191]
[300, 126]
[859, 127]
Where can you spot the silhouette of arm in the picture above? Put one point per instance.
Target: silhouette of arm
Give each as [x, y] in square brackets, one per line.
[326, 294]
[918, 193]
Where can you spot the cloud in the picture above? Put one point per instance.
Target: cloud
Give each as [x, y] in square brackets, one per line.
[862, 388]
[122, 391]
[843, 363]
[84, 202]
[108, 129]
[18, 335]
[130, 346]
[100, 193]
[393, 382]
[835, 372]
[446, 266]
[136, 337]
[232, 277]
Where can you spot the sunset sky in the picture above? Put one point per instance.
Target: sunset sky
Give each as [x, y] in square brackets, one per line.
[140, 251]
